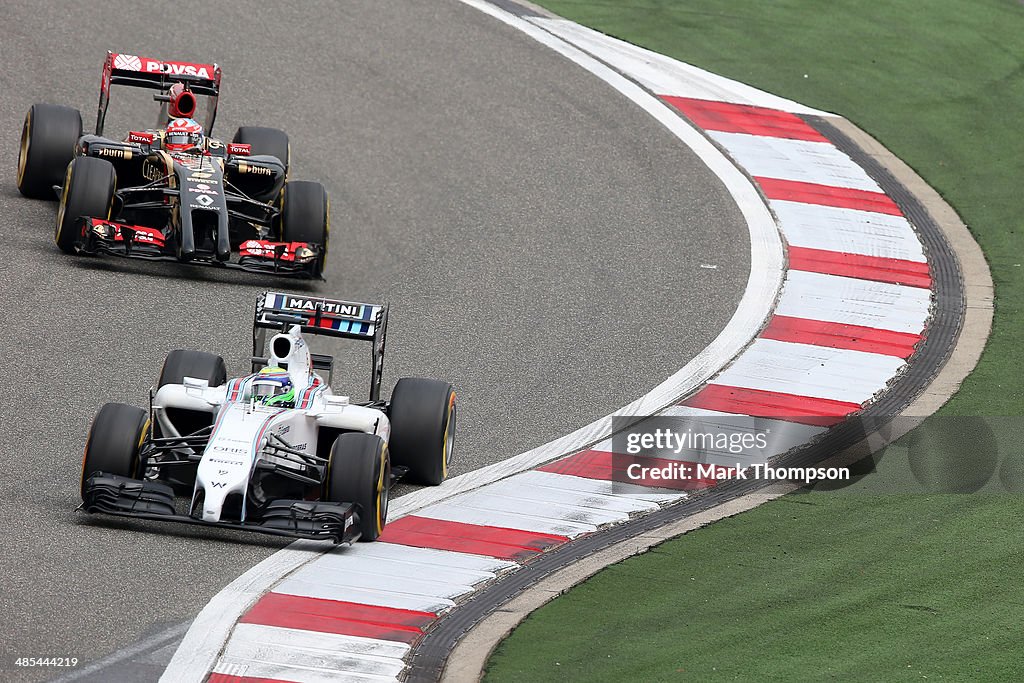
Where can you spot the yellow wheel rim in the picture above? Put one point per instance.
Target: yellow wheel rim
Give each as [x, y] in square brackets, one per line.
[26, 134]
[382, 502]
[63, 204]
[449, 438]
[138, 448]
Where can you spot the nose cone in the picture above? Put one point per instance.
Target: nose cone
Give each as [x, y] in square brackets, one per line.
[213, 504]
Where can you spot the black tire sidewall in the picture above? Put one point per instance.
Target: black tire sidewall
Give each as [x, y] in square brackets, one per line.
[52, 133]
[306, 216]
[269, 141]
[359, 471]
[115, 436]
[419, 413]
[89, 186]
[182, 363]
[178, 365]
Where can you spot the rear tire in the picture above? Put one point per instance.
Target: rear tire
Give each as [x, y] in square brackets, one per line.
[306, 217]
[359, 471]
[269, 141]
[48, 140]
[115, 439]
[89, 186]
[422, 417]
[180, 364]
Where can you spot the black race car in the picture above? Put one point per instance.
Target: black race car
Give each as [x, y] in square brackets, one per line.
[172, 192]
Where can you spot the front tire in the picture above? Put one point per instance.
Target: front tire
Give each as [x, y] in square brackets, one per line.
[114, 442]
[422, 417]
[306, 217]
[48, 139]
[89, 186]
[359, 471]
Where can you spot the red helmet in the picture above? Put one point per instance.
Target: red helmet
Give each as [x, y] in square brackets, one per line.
[183, 134]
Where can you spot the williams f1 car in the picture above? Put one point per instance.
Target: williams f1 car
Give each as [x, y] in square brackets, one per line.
[275, 451]
[172, 192]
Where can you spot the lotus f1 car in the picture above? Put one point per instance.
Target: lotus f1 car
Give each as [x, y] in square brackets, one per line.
[275, 451]
[149, 196]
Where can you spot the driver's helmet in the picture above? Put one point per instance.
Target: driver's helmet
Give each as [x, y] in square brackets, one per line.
[182, 135]
[273, 387]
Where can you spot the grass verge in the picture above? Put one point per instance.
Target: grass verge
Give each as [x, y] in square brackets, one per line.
[823, 585]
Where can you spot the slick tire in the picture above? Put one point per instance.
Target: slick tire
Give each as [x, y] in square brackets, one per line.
[115, 439]
[180, 364]
[89, 186]
[48, 139]
[270, 141]
[422, 417]
[359, 471]
[306, 217]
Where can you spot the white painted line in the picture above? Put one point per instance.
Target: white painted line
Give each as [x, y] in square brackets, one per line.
[848, 230]
[852, 301]
[314, 640]
[523, 489]
[312, 581]
[666, 76]
[455, 510]
[297, 655]
[813, 371]
[800, 160]
[403, 564]
[260, 670]
[554, 511]
[345, 591]
[393, 575]
[391, 552]
[559, 482]
[263, 671]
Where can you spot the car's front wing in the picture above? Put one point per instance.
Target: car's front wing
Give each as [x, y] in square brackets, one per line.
[125, 497]
[105, 237]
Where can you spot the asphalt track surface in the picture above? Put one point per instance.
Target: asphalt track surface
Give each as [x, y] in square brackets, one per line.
[544, 245]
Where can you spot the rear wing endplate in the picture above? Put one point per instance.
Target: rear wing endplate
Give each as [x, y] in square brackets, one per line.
[324, 317]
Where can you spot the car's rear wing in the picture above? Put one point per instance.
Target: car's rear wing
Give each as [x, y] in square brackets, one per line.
[144, 72]
[325, 317]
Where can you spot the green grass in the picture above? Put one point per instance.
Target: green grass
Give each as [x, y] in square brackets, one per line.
[822, 585]
[801, 588]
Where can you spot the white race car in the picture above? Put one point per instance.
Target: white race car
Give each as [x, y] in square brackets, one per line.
[276, 451]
